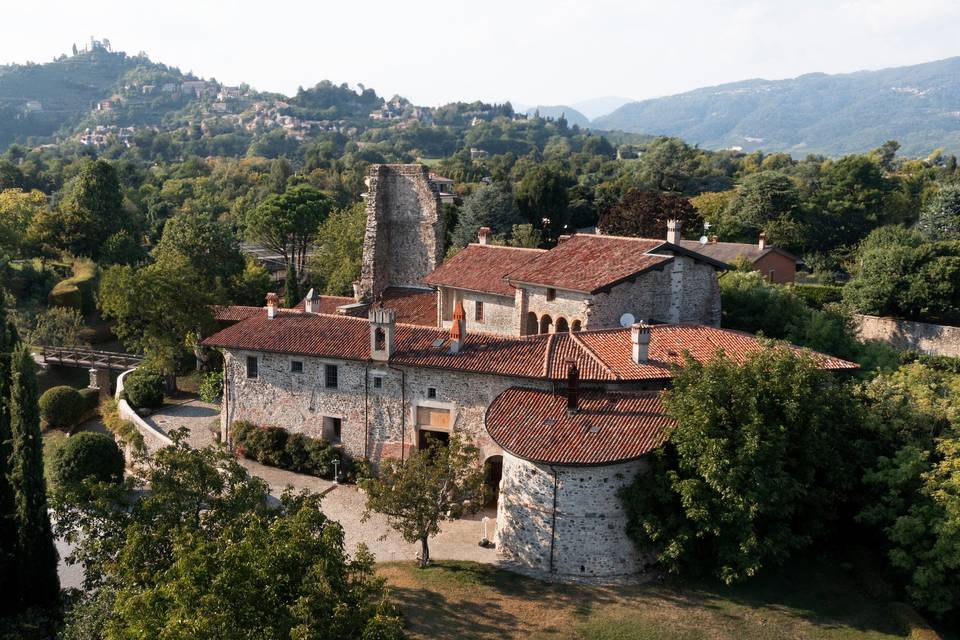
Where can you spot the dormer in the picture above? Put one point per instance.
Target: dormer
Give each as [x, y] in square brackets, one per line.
[383, 324]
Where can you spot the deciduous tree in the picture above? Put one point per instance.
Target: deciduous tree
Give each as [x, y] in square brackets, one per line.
[644, 214]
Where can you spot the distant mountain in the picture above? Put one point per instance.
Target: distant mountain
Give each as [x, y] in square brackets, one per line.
[596, 107]
[572, 115]
[919, 106]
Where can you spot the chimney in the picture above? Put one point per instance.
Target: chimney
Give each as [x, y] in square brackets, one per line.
[673, 231]
[484, 235]
[762, 243]
[383, 326]
[573, 387]
[714, 239]
[357, 291]
[640, 338]
[311, 303]
[273, 303]
[458, 330]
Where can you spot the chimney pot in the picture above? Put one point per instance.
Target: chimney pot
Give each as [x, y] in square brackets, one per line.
[357, 291]
[673, 231]
[640, 340]
[311, 303]
[762, 242]
[383, 324]
[273, 301]
[458, 330]
[483, 235]
[714, 239]
[573, 387]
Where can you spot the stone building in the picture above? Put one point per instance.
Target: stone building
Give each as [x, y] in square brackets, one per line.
[521, 351]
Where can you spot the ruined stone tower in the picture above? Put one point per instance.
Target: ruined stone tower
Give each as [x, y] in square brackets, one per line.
[404, 239]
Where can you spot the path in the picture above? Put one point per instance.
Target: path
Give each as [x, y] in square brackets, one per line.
[344, 503]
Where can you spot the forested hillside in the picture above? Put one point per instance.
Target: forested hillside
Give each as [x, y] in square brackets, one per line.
[816, 113]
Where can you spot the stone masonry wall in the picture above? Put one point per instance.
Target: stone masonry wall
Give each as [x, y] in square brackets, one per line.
[589, 533]
[298, 402]
[932, 339]
[403, 240]
[498, 316]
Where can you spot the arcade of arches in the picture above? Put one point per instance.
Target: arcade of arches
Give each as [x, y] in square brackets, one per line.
[547, 324]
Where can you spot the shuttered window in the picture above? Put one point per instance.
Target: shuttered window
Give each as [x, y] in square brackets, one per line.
[433, 417]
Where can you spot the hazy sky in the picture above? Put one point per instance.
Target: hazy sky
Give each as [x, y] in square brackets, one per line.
[527, 51]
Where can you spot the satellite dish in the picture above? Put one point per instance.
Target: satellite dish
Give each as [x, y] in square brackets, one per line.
[703, 239]
[627, 320]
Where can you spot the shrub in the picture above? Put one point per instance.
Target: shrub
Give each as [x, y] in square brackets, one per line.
[817, 296]
[275, 446]
[90, 399]
[77, 291]
[87, 455]
[61, 406]
[144, 388]
[123, 429]
[211, 387]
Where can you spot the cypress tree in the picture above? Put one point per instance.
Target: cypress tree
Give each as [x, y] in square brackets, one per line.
[291, 294]
[8, 524]
[37, 557]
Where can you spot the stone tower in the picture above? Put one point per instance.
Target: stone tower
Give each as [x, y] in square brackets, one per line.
[404, 239]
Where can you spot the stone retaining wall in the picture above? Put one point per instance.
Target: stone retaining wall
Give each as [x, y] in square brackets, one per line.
[932, 339]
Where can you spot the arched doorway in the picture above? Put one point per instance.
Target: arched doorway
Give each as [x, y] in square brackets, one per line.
[492, 473]
[575, 326]
[546, 322]
[562, 325]
[531, 327]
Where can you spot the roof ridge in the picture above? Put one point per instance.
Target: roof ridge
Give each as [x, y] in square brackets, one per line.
[501, 246]
[596, 358]
[607, 235]
[548, 354]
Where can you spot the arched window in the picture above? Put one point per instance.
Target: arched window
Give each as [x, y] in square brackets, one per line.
[532, 325]
[379, 339]
[575, 326]
[562, 325]
[546, 322]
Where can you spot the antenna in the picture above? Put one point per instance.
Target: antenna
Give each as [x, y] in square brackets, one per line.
[704, 239]
[627, 320]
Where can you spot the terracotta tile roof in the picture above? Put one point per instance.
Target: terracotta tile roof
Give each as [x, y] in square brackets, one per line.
[482, 268]
[608, 427]
[590, 263]
[235, 313]
[413, 306]
[328, 304]
[730, 251]
[603, 356]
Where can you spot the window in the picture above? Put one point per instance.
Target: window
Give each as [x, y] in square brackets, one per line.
[253, 368]
[296, 366]
[478, 311]
[431, 392]
[331, 377]
[773, 274]
[377, 382]
[332, 428]
[551, 294]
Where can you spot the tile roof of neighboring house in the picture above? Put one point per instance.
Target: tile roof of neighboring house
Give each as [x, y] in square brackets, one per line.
[482, 267]
[730, 251]
[608, 427]
[600, 355]
[328, 304]
[413, 306]
[592, 263]
[235, 313]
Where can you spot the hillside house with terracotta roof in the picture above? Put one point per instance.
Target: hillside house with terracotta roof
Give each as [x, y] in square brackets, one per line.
[776, 264]
[563, 416]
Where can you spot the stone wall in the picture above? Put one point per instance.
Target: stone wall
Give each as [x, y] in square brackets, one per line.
[932, 339]
[586, 529]
[498, 313]
[376, 421]
[404, 237]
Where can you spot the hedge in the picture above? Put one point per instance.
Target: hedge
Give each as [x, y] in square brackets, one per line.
[77, 291]
[90, 398]
[277, 447]
[61, 407]
[143, 388]
[87, 455]
[818, 296]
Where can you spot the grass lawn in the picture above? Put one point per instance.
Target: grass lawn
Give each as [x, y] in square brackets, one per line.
[813, 598]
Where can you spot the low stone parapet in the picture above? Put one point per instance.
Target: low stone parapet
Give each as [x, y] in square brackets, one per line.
[153, 439]
[931, 339]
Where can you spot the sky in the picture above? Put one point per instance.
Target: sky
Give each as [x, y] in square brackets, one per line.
[527, 51]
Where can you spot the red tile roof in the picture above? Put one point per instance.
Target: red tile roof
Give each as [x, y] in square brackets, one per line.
[479, 267]
[235, 313]
[590, 263]
[328, 304]
[730, 251]
[608, 427]
[413, 306]
[600, 355]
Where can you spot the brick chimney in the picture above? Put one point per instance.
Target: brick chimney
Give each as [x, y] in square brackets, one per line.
[483, 235]
[573, 387]
[640, 339]
[673, 231]
[311, 303]
[273, 303]
[458, 330]
[762, 242]
[383, 326]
